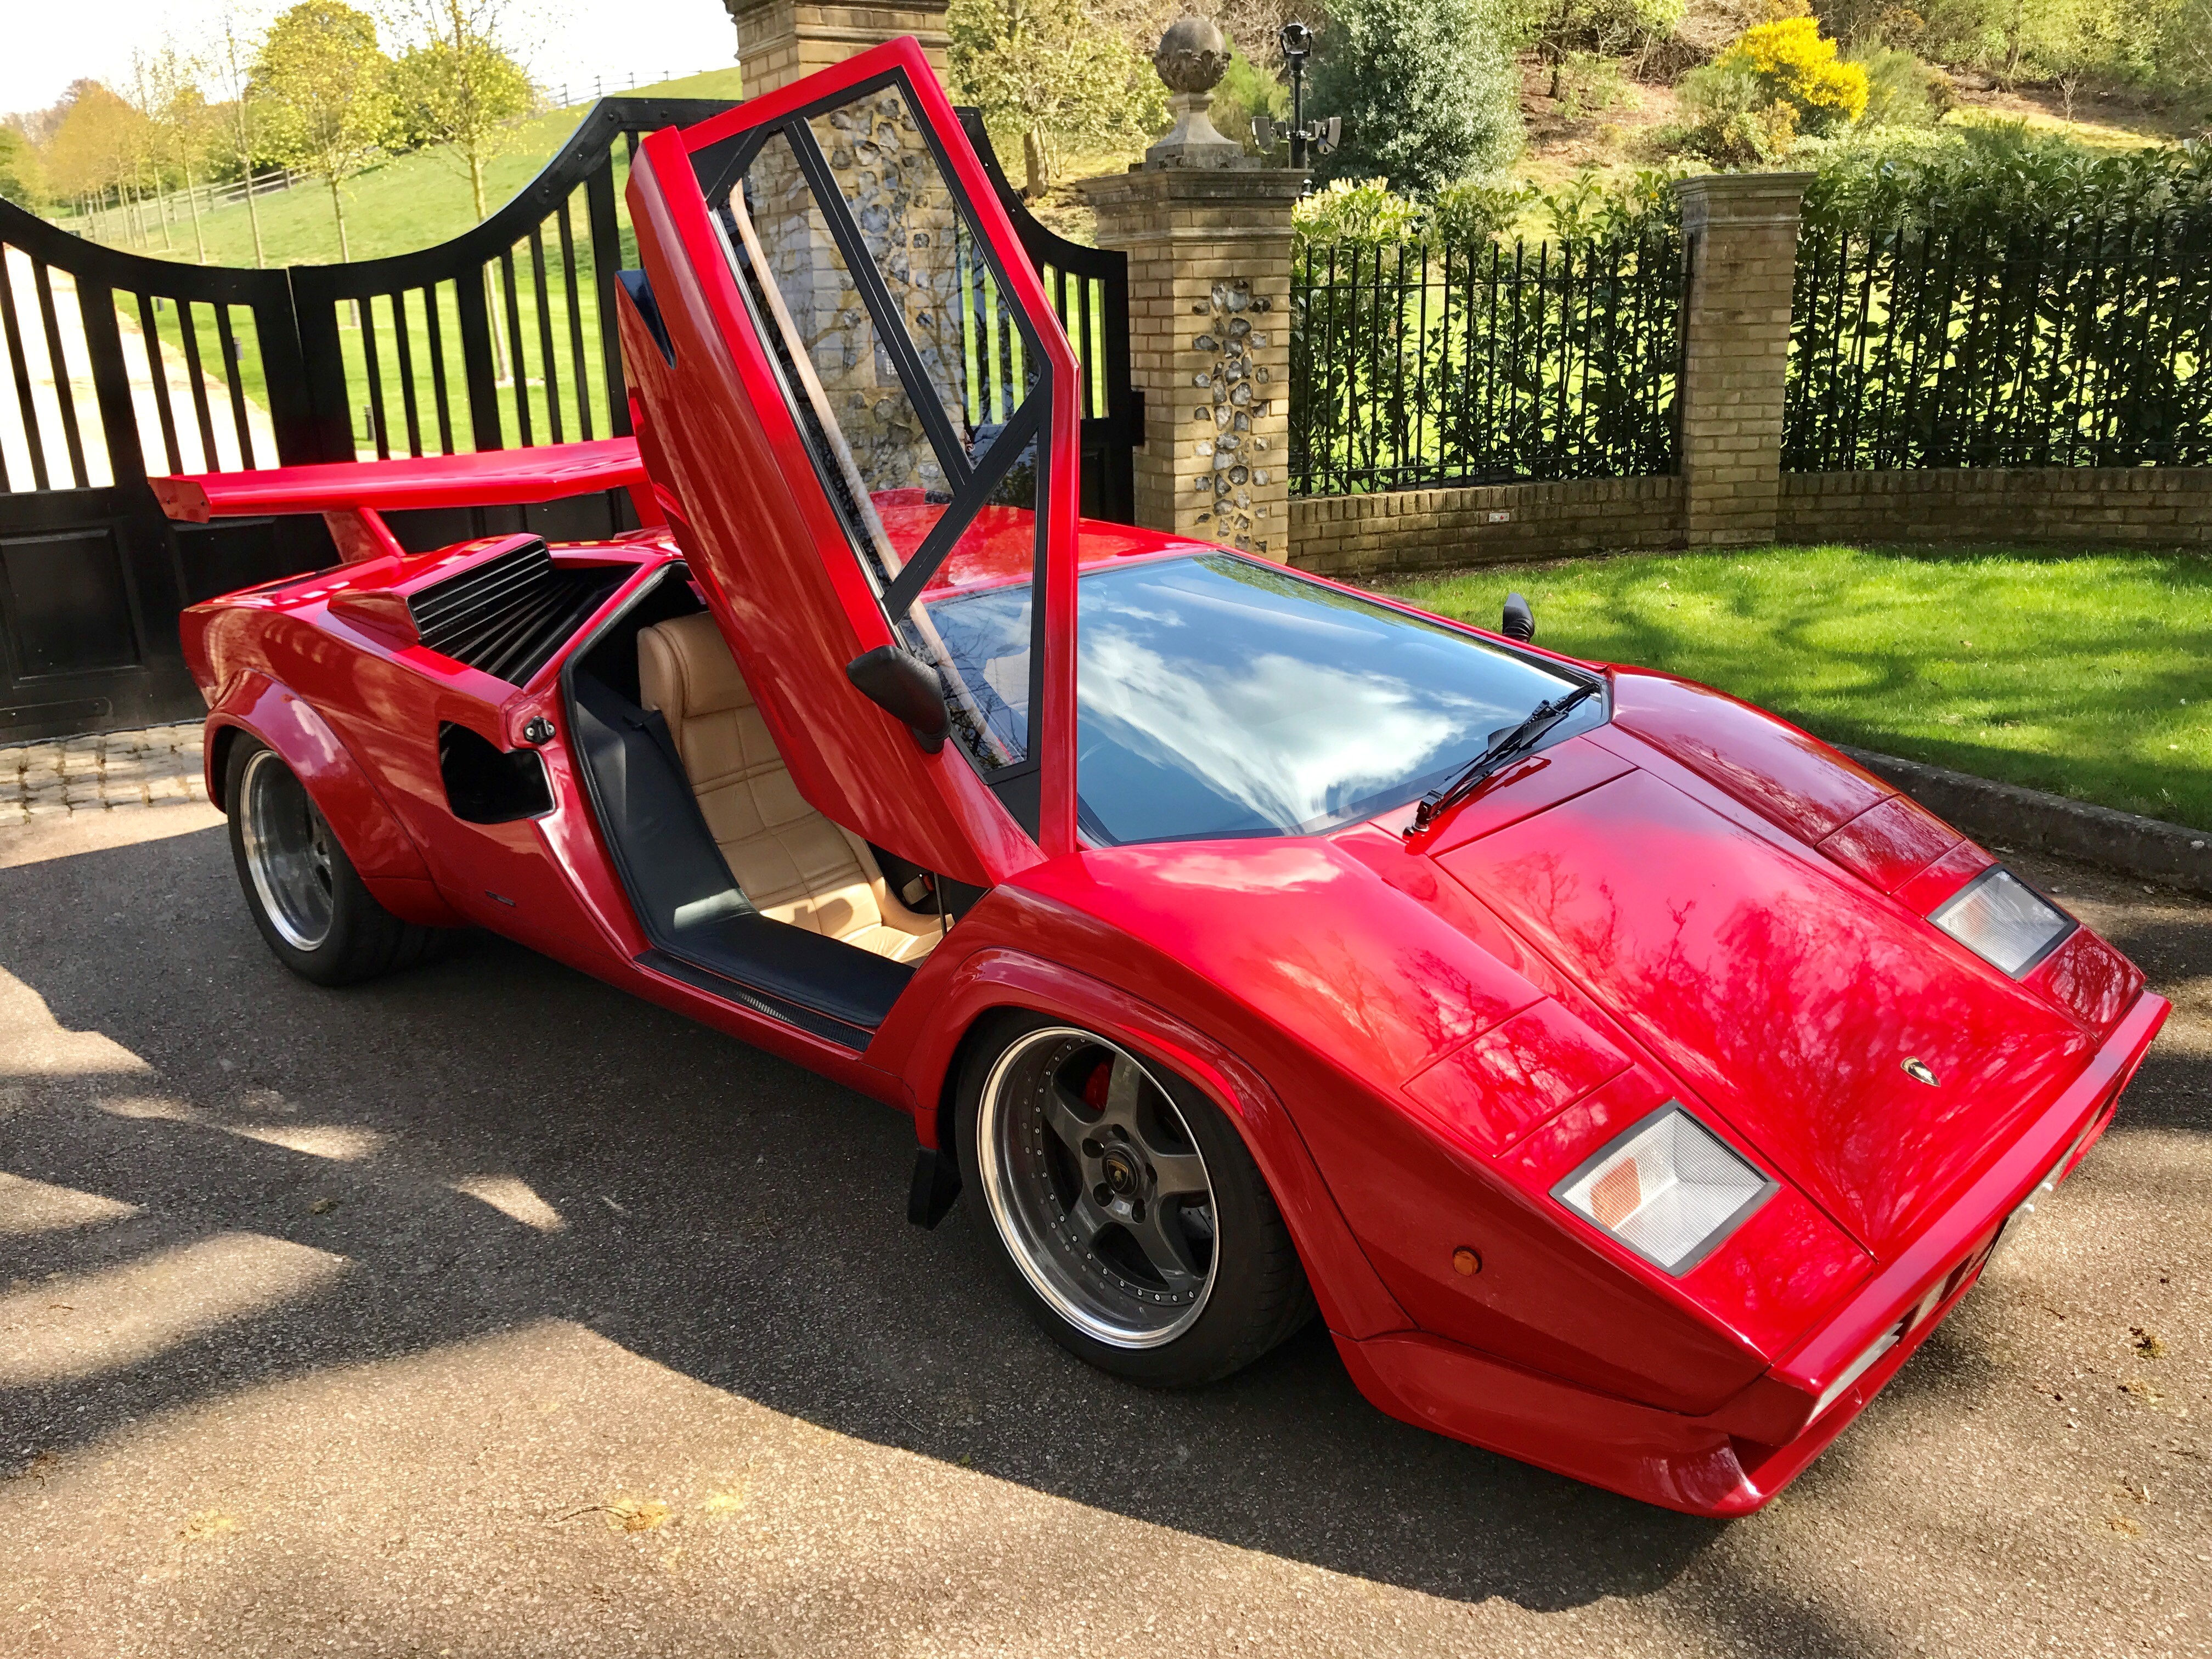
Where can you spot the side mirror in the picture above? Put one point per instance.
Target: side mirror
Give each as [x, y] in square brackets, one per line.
[1520, 622]
[907, 689]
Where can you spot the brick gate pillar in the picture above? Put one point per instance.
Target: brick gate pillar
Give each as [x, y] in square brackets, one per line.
[1209, 345]
[1207, 230]
[1740, 258]
[780, 41]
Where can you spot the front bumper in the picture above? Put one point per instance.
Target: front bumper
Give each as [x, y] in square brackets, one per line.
[1734, 1460]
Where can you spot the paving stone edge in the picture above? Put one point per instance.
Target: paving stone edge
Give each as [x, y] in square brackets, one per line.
[2149, 849]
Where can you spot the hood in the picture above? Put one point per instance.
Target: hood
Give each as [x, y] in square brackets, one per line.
[1785, 993]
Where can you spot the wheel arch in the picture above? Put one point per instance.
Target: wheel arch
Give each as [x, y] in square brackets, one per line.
[997, 981]
[273, 714]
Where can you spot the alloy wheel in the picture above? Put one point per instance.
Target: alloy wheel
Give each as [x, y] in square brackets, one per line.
[288, 852]
[1097, 1187]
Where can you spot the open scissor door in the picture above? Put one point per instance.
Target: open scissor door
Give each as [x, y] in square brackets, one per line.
[849, 375]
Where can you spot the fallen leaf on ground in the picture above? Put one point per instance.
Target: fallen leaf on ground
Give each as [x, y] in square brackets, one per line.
[211, 1524]
[626, 1515]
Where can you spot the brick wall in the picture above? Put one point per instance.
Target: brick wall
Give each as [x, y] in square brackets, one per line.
[1412, 530]
[2117, 507]
[1415, 529]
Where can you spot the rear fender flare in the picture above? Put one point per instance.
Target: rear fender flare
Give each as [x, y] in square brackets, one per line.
[380, 848]
[1352, 1295]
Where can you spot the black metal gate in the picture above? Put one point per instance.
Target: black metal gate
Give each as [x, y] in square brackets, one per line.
[1089, 287]
[505, 336]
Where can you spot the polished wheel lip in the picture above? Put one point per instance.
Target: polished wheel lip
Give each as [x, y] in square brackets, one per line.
[1051, 1277]
[287, 853]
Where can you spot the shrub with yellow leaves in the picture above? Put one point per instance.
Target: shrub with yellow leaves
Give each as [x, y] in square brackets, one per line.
[1793, 63]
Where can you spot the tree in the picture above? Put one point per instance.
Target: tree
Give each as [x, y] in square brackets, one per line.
[186, 127]
[329, 89]
[1427, 90]
[97, 147]
[231, 53]
[1615, 29]
[1051, 71]
[22, 176]
[459, 86]
[1785, 66]
[2185, 50]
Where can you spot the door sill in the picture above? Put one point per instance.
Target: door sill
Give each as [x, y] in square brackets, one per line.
[723, 987]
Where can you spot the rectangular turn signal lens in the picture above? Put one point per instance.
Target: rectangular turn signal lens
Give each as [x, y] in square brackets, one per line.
[1669, 1190]
[2004, 920]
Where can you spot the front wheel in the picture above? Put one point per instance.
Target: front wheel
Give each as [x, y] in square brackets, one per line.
[307, 899]
[1140, 1233]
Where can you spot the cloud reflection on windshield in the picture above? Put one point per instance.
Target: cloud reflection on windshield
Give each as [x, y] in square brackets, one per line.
[1289, 740]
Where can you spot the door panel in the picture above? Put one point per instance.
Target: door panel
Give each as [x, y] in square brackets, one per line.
[853, 361]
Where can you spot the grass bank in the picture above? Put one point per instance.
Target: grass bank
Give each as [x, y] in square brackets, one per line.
[412, 201]
[2086, 674]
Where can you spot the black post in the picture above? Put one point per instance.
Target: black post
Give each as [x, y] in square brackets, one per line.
[1298, 44]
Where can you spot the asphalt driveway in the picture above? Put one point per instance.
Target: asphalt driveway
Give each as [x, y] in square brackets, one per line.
[486, 1310]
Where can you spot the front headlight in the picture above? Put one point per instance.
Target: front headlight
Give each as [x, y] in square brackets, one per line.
[2004, 920]
[1669, 1190]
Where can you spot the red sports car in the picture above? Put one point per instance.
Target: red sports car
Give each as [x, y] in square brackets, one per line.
[1630, 1081]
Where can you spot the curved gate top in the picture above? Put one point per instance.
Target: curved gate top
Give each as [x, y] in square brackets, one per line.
[114, 365]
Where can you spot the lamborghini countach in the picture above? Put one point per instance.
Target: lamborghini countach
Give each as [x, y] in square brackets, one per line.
[1629, 1082]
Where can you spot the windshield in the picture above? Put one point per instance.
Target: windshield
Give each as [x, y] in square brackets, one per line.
[1220, 696]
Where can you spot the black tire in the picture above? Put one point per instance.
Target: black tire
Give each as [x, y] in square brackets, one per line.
[302, 889]
[1026, 1190]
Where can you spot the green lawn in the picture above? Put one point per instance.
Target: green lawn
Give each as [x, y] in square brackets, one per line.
[2087, 676]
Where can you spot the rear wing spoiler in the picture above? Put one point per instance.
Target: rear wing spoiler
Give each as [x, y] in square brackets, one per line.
[353, 496]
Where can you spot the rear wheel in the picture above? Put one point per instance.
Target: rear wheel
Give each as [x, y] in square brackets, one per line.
[1138, 1230]
[304, 895]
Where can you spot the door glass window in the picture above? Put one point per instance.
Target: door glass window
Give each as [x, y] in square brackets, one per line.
[909, 371]
[965, 338]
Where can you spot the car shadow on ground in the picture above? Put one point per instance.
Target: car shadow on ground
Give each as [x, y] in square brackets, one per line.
[725, 1214]
[718, 1212]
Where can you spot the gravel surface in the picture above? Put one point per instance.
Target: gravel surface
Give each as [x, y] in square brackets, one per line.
[488, 1310]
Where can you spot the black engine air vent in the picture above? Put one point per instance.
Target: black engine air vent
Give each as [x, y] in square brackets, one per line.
[510, 614]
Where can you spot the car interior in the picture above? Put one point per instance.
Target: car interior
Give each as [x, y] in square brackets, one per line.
[744, 889]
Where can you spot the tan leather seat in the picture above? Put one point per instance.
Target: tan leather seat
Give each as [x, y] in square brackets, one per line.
[794, 864]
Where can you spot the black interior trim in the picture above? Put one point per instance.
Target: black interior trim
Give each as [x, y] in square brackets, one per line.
[855, 1037]
[638, 287]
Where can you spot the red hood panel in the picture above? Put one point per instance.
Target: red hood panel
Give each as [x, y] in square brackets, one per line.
[1785, 995]
[1789, 776]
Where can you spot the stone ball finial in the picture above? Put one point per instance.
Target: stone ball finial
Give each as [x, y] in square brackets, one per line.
[1192, 56]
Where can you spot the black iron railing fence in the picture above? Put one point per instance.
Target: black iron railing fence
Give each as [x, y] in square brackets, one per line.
[1933, 340]
[1413, 366]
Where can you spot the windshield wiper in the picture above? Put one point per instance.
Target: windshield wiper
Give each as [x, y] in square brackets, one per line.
[1511, 746]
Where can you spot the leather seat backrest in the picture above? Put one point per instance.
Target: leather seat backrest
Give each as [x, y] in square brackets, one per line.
[793, 863]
